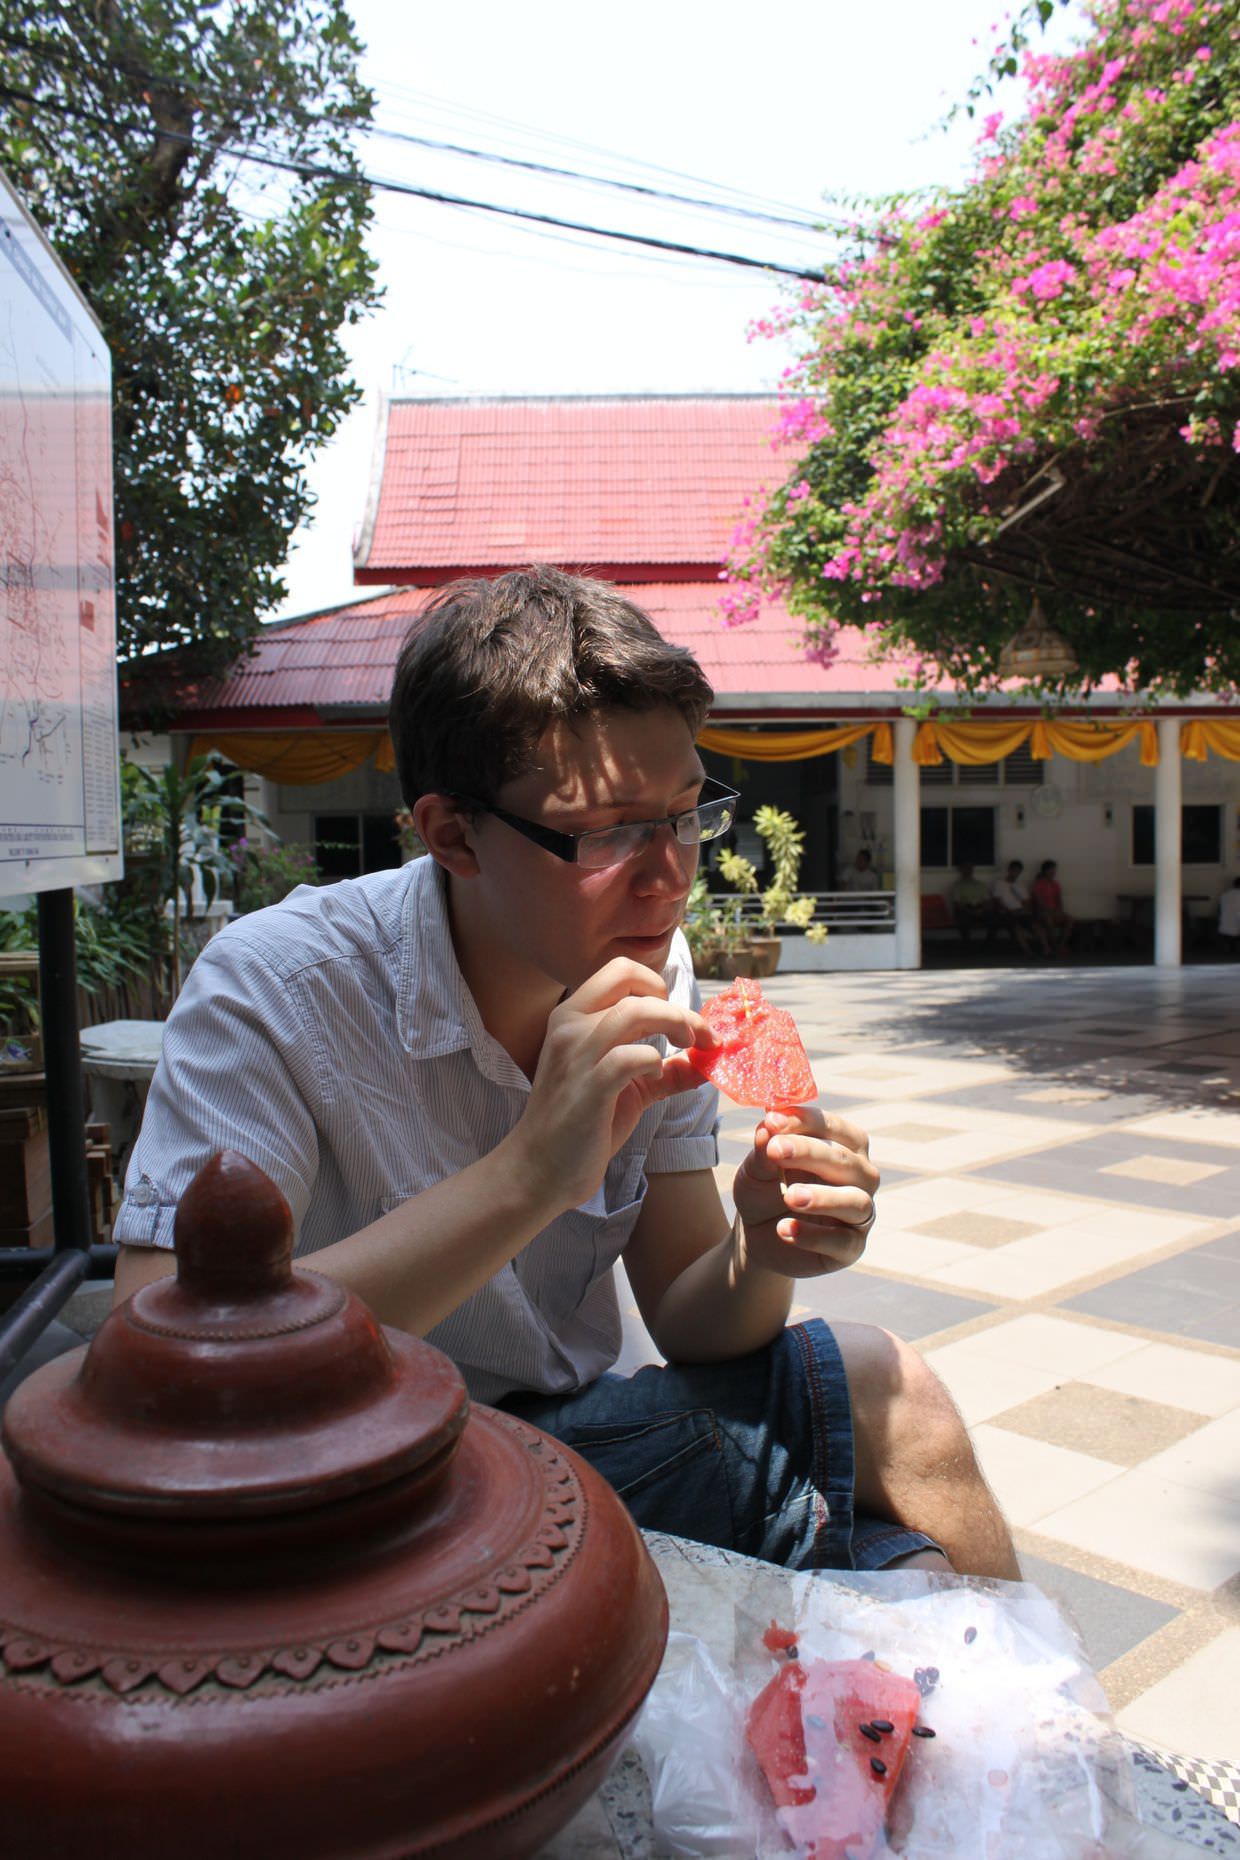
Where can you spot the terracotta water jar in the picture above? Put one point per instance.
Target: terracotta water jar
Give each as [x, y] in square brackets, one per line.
[271, 1588]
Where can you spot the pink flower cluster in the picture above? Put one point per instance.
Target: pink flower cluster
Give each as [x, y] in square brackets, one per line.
[1079, 309]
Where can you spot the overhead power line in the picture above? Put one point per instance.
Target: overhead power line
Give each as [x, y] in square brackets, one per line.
[321, 171]
[593, 180]
[806, 223]
[425, 101]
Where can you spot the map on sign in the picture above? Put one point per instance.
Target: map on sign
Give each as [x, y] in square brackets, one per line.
[59, 767]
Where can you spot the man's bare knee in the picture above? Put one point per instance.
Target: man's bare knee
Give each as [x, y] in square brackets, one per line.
[914, 1461]
[895, 1392]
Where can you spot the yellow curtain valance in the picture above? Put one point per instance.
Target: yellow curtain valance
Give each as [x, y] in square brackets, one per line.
[303, 758]
[977, 743]
[794, 745]
[1221, 734]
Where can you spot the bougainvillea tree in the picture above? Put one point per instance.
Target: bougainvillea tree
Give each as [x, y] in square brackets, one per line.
[1030, 386]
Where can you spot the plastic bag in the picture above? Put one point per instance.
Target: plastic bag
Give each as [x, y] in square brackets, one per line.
[1025, 1763]
[688, 1737]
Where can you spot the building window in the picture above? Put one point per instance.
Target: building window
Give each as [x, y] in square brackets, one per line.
[1022, 769]
[1201, 835]
[347, 845]
[979, 774]
[952, 836]
[1019, 770]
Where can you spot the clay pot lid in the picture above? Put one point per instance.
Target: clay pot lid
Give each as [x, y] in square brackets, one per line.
[239, 1388]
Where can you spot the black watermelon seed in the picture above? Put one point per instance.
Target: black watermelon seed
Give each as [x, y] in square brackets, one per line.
[792, 1653]
[932, 1674]
[878, 1766]
[970, 1635]
[871, 1655]
[882, 1724]
[867, 1730]
[923, 1730]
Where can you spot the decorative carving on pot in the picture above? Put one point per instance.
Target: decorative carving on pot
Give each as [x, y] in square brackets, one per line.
[271, 1587]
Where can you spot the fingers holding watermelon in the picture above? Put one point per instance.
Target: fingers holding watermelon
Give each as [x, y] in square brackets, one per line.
[597, 1072]
[805, 1193]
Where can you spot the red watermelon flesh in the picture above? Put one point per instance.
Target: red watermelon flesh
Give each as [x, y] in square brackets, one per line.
[804, 1727]
[759, 1059]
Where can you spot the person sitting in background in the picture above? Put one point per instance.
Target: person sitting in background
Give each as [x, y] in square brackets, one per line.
[970, 902]
[860, 875]
[1048, 911]
[1229, 919]
[1014, 909]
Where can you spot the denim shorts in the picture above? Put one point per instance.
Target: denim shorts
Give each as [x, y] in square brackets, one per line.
[754, 1455]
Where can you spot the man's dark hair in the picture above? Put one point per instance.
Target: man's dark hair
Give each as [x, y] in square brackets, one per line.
[488, 664]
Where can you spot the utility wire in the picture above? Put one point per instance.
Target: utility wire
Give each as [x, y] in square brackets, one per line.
[593, 180]
[309, 119]
[320, 171]
[422, 99]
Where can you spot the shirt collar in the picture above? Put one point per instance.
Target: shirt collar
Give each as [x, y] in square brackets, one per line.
[435, 1012]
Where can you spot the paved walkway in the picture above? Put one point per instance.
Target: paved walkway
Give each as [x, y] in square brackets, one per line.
[1059, 1232]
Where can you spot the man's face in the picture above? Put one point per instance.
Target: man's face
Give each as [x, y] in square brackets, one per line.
[565, 920]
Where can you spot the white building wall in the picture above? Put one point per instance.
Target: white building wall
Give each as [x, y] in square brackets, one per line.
[1090, 837]
[292, 810]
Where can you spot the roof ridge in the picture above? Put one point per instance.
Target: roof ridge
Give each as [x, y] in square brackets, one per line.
[543, 400]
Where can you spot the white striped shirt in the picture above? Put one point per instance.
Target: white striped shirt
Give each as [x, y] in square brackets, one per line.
[332, 1040]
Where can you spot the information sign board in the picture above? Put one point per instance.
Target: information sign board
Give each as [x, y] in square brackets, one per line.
[60, 817]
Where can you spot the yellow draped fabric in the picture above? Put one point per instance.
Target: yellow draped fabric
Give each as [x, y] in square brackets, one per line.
[977, 743]
[788, 745]
[1221, 734]
[302, 758]
[1093, 742]
[967, 742]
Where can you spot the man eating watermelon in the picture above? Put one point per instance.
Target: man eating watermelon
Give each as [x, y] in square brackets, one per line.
[470, 1079]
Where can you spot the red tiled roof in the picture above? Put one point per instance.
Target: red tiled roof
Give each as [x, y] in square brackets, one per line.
[330, 662]
[616, 484]
[766, 656]
[342, 657]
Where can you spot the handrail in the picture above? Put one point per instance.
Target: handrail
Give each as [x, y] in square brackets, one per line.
[837, 910]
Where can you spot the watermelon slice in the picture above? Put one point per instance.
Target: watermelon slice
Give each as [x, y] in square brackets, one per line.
[831, 1781]
[759, 1059]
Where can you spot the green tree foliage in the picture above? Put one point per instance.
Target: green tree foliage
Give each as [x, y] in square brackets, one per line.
[141, 135]
[1030, 384]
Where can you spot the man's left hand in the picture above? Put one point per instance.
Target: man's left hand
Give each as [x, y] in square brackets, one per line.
[805, 1193]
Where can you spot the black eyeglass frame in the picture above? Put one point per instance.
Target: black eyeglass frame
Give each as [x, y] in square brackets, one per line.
[566, 845]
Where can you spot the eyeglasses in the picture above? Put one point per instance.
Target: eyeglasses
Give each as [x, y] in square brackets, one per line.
[714, 813]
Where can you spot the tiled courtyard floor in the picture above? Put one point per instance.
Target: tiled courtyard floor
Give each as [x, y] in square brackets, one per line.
[1059, 1233]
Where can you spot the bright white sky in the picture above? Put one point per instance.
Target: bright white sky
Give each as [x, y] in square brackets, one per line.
[773, 106]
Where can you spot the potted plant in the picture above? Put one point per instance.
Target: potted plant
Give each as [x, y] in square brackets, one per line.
[746, 943]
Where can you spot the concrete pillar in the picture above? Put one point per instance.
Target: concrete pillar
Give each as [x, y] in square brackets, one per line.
[906, 833]
[1168, 909]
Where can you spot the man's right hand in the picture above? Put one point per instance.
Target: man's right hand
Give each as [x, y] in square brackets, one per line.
[597, 1074]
